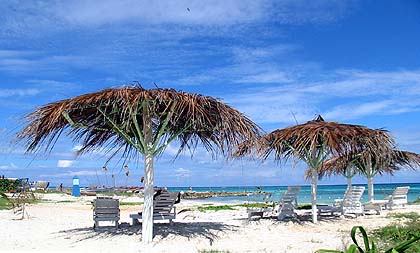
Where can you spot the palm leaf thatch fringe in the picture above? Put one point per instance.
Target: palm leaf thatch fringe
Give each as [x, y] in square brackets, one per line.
[397, 160]
[331, 138]
[112, 119]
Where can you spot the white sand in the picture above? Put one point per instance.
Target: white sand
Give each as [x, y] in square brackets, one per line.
[67, 227]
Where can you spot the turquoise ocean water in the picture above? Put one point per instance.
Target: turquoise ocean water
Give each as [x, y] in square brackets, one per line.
[326, 193]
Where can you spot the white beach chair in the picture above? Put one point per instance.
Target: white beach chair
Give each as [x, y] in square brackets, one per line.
[163, 208]
[106, 209]
[397, 199]
[288, 203]
[350, 204]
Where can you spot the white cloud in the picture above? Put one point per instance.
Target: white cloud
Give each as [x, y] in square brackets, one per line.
[377, 93]
[21, 18]
[77, 148]
[268, 77]
[5, 93]
[64, 163]
[158, 12]
[354, 111]
[11, 166]
[71, 174]
[181, 172]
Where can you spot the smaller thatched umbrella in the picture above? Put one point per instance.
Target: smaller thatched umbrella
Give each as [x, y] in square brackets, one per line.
[363, 163]
[316, 141]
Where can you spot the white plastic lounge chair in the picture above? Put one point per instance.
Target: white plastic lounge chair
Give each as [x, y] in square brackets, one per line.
[163, 208]
[288, 203]
[106, 209]
[397, 199]
[350, 204]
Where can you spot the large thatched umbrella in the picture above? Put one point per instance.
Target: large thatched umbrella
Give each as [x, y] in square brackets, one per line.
[139, 121]
[364, 164]
[316, 141]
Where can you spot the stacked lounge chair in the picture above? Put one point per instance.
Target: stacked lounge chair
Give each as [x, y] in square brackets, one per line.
[288, 203]
[349, 204]
[163, 208]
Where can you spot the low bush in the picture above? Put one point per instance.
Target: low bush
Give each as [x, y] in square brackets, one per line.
[7, 185]
[406, 245]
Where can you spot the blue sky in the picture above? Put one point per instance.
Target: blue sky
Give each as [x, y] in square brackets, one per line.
[351, 61]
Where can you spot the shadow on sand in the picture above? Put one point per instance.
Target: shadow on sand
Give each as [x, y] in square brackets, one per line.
[300, 219]
[208, 230]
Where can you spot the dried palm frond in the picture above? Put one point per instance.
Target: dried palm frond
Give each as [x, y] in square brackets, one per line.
[390, 163]
[318, 136]
[113, 119]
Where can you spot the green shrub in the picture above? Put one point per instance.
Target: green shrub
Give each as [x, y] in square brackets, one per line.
[370, 247]
[7, 185]
[4, 202]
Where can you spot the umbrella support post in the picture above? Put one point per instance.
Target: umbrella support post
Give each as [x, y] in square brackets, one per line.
[313, 191]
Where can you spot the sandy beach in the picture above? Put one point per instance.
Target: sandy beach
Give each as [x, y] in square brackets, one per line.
[64, 223]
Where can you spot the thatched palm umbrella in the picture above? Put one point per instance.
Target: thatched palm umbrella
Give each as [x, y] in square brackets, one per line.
[135, 121]
[363, 163]
[316, 141]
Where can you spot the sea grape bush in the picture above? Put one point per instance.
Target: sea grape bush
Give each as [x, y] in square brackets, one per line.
[370, 246]
[7, 185]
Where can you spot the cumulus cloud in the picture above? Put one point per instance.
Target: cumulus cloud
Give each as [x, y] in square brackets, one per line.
[64, 163]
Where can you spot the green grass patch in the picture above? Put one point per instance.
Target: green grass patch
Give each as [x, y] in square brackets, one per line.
[65, 201]
[214, 208]
[51, 191]
[255, 205]
[304, 207]
[416, 202]
[131, 203]
[4, 204]
[406, 226]
[411, 216]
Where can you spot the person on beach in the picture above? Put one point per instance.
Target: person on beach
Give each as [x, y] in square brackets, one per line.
[60, 188]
